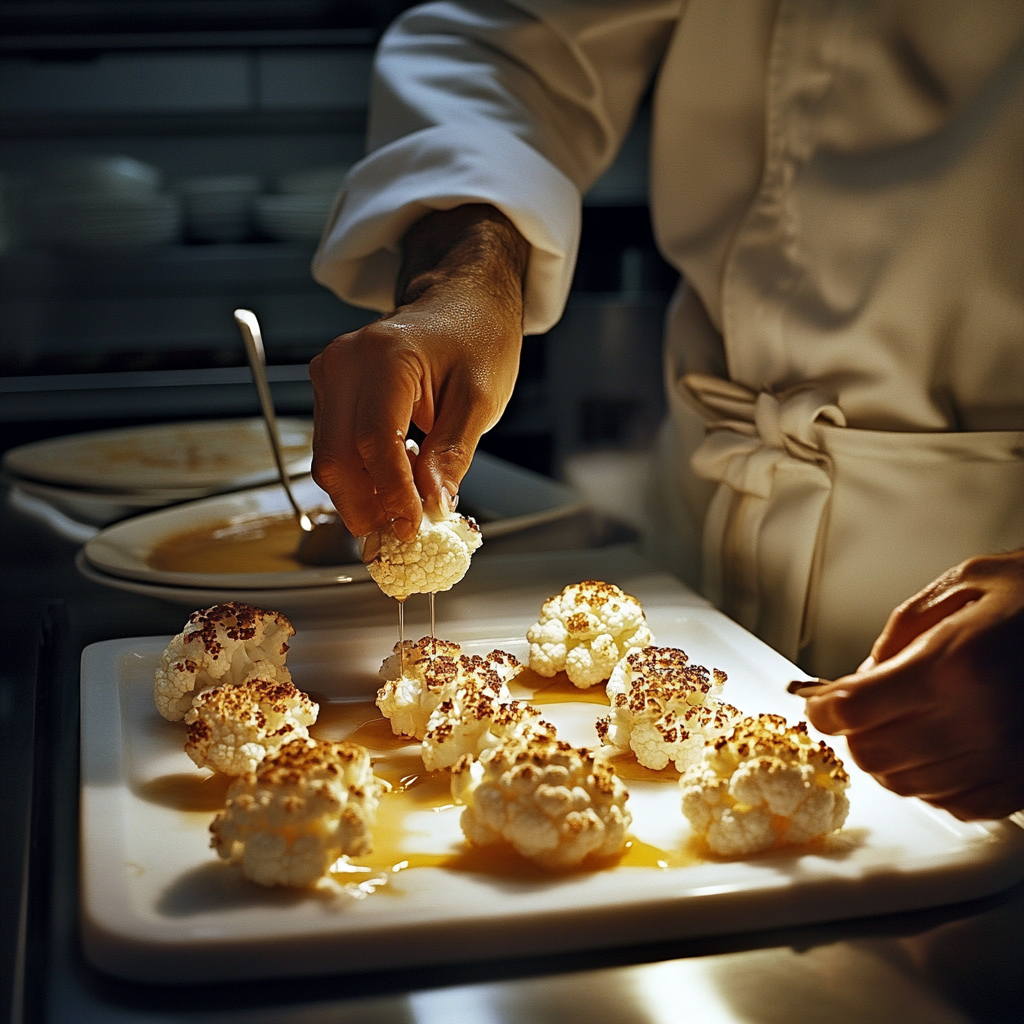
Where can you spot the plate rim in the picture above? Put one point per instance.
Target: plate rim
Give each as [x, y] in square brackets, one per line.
[13, 461]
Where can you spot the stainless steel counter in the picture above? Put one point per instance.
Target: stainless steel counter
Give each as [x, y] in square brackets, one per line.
[863, 970]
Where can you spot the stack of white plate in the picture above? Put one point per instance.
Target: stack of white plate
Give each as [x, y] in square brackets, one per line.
[101, 477]
[219, 209]
[301, 209]
[102, 202]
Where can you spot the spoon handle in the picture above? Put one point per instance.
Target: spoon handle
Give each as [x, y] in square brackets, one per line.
[250, 329]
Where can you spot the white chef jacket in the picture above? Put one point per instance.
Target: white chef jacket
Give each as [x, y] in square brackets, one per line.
[839, 183]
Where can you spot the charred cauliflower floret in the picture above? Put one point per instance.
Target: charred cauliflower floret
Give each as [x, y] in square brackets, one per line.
[470, 719]
[549, 800]
[584, 631]
[416, 677]
[233, 728]
[224, 645]
[763, 783]
[304, 807]
[664, 708]
[435, 559]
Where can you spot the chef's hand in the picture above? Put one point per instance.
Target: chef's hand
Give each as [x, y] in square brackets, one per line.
[446, 360]
[937, 710]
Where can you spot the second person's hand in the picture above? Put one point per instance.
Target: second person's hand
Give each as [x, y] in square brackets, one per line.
[446, 359]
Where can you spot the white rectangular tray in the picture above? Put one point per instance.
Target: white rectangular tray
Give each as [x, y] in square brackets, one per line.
[157, 905]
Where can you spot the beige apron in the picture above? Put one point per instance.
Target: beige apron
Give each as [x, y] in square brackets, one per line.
[815, 531]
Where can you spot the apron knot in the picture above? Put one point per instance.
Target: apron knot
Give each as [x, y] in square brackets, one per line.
[763, 530]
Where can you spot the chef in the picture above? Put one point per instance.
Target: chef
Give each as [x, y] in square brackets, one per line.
[839, 185]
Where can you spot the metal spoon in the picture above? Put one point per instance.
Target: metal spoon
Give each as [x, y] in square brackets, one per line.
[325, 539]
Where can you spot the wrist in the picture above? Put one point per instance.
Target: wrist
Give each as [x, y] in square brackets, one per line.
[473, 246]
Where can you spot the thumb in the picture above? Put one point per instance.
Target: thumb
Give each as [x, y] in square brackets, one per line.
[445, 457]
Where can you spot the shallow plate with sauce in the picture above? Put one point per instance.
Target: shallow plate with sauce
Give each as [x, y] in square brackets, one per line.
[244, 540]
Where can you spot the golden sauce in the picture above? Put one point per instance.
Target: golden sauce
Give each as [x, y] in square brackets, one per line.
[629, 769]
[537, 689]
[187, 791]
[397, 760]
[267, 544]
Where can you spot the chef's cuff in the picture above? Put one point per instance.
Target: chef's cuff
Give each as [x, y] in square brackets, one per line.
[437, 169]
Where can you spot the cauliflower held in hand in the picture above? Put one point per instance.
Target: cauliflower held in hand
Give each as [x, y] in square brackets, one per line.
[585, 630]
[435, 559]
[233, 728]
[224, 645]
[412, 691]
[664, 709]
[304, 807]
[470, 719]
[765, 782]
[549, 800]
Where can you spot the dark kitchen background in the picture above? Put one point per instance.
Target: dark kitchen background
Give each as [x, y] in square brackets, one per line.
[234, 122]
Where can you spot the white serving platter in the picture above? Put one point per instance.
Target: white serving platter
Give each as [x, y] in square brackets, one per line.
[157, 905]
[176, 461]
[507, 497]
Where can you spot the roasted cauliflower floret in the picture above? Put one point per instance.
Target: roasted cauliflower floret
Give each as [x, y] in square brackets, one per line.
[664, 708]
[224, 645]
[549, 800]
[765, 783]
[435, 559]
[584, 631]
[469, 720]
[416, 677]
[304, 807]
[233, 728]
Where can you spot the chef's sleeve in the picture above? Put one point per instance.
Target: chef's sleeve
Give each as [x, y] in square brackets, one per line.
[520, 106]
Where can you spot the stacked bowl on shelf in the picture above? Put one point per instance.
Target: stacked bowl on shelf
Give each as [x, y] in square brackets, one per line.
[299, 211]
[102, 202]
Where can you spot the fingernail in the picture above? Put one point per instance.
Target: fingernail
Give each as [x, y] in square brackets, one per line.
[807, 687]
[370, 547]
[412, 447]
[867, 664]
[404, 530]
[449, 502]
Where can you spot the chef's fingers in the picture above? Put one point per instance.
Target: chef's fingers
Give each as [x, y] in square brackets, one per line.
[939, 599]
[382, 414]
[988, 802]
[866, 701]
[909, 743]
[363, 399]
[462, 413]
[943, 778]
[336, 466]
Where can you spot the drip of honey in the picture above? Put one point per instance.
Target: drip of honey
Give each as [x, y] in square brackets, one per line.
[266, 544]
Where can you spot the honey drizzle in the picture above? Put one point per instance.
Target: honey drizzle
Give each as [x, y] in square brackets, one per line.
[397, 760]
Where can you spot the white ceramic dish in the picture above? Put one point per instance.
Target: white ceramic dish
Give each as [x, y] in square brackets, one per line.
[507, 497]
[164, 459]
[100, 508]
[289, 600]
[157, 905]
